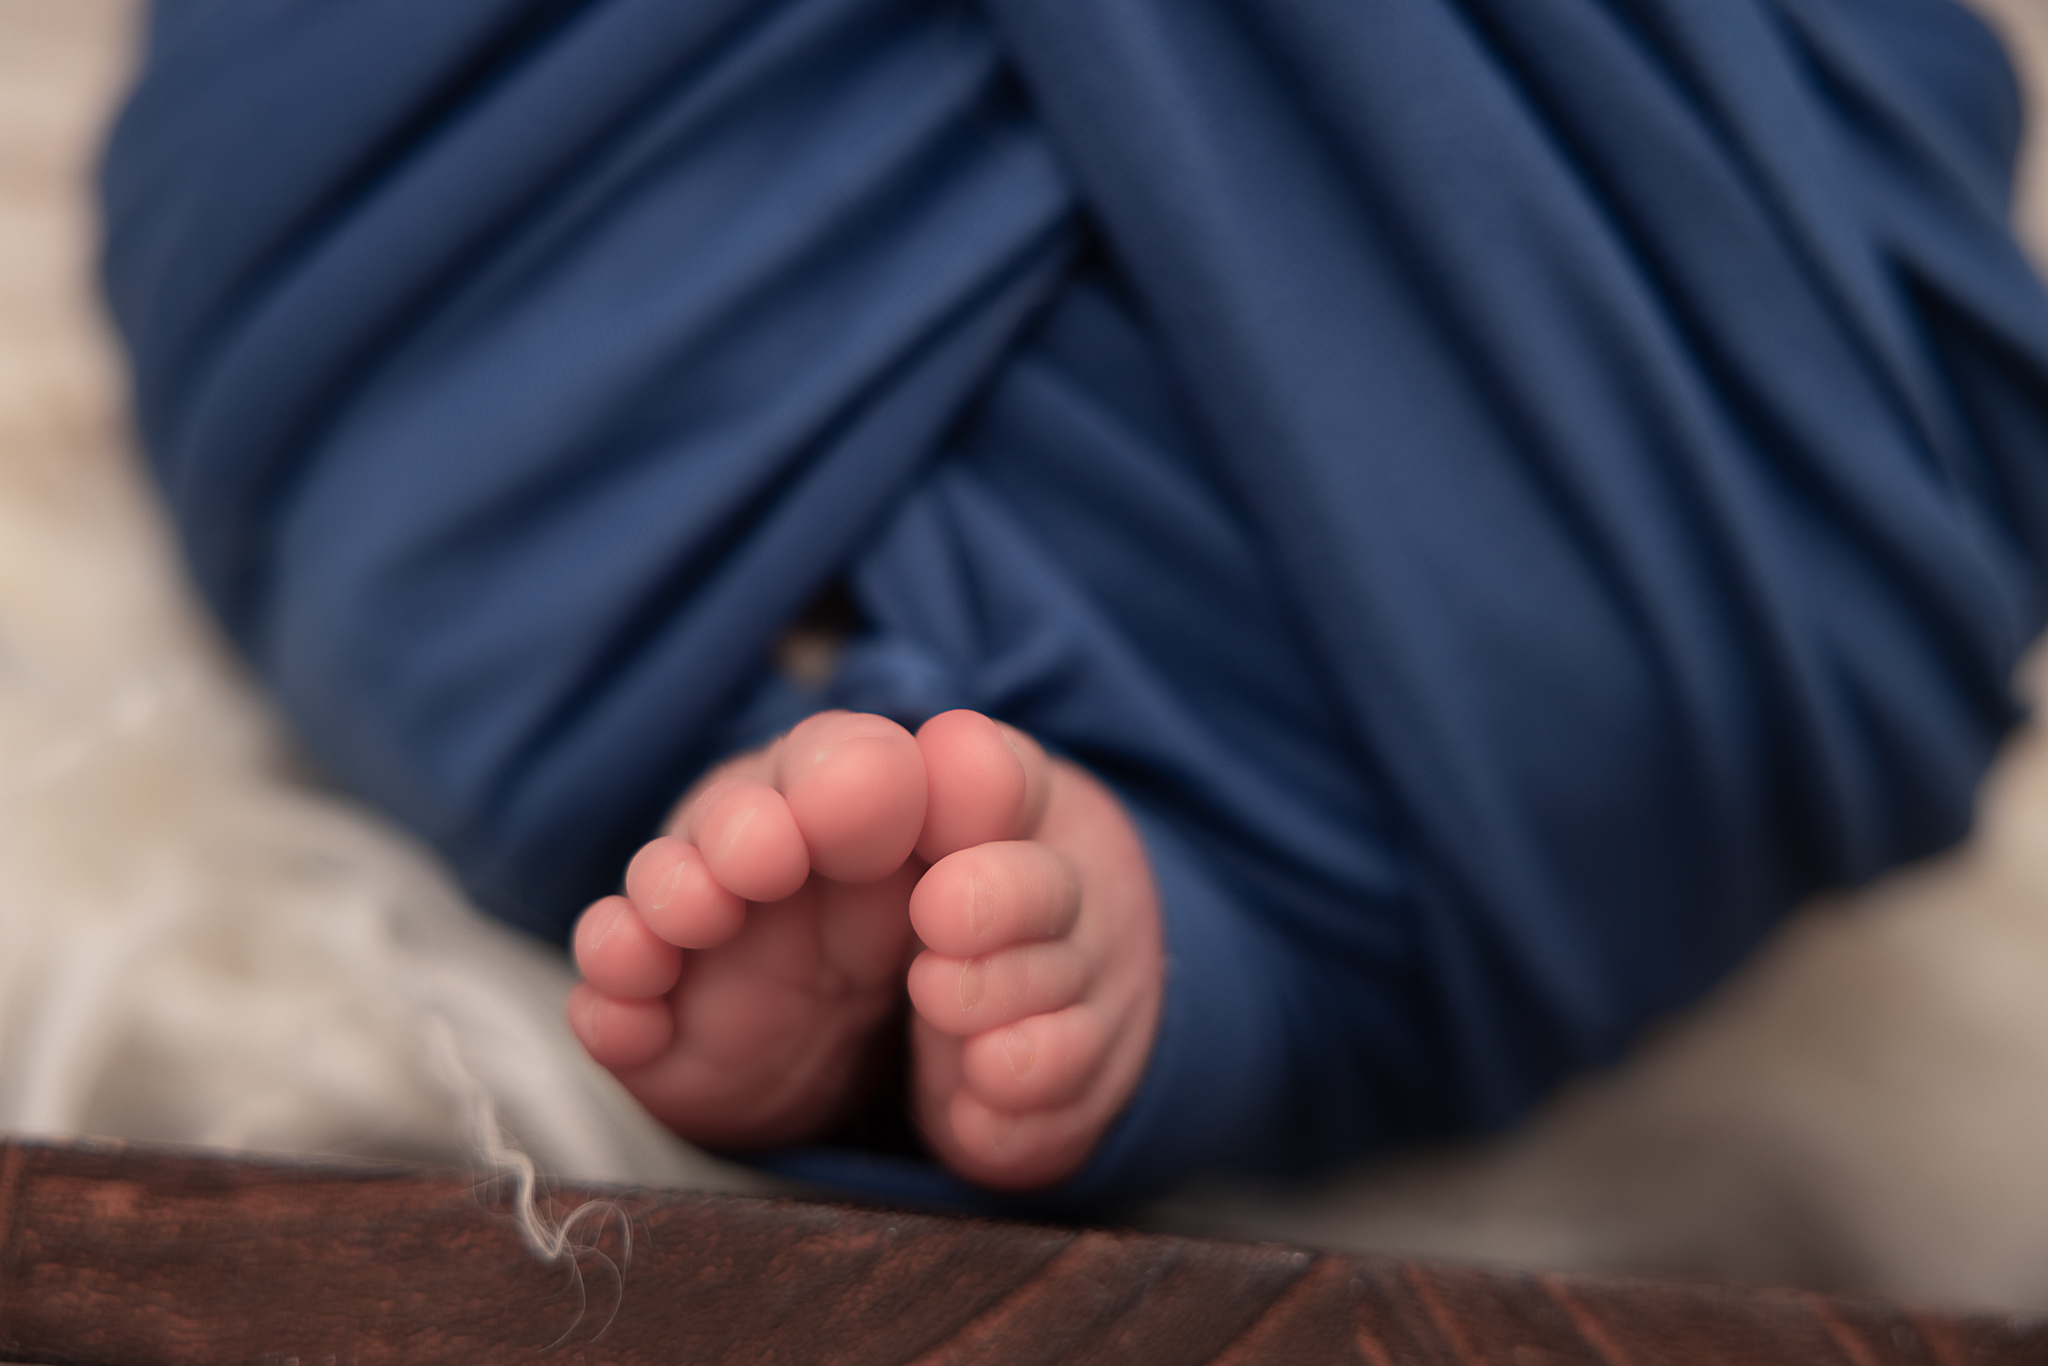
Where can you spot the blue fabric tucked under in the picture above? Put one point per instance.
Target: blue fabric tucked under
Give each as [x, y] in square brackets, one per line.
[1513, 493]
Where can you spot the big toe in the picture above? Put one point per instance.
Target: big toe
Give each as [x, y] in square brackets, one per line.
[855, 784]
[987, 782]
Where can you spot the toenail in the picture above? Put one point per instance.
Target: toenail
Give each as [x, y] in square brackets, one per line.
[735, 827]
[605, 925]
[973, 974]
[978, 916]
[1017, 1045]
[665, 891]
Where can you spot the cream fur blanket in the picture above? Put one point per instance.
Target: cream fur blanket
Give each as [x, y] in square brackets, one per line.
[199, 945]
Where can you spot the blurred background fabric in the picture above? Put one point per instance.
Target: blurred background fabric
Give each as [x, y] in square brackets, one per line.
[198, 944]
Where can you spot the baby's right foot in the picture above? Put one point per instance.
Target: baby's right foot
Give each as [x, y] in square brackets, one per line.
[789, 877]
[1038, 992]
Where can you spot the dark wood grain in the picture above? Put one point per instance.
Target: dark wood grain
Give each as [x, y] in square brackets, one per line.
[112, 1255]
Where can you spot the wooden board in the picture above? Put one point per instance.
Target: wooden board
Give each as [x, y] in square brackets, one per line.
[112, 1255]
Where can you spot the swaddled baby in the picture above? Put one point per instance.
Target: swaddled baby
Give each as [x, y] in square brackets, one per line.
[1373, 550]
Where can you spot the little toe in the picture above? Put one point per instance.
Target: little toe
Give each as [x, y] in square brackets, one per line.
[671, 886]
[1011, 1150]
[620, 955]
[991, 896]
[1037, 1063]
[855, 785]
[987, 782]
[971, 995]
[749, 840]
[619, 1034]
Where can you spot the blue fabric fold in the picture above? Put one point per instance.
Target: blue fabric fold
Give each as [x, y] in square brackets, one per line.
[1512, 493]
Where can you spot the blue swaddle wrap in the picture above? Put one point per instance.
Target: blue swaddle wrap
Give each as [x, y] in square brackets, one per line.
[1513, 493]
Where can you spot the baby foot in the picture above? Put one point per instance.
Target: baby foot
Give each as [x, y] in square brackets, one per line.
[792, 877]
[1038, 991]
[740, 986]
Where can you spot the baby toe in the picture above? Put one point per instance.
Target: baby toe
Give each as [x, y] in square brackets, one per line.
[620, 955]
[975, 779]
[972, 995]
[855, 785]
[980, 776]
[1037, 1063]
[1009, 1150]
[619, 1034]
[749, 840]
[671, 886]
[991, 896]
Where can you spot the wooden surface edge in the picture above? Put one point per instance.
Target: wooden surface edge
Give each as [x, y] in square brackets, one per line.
[112, 1254]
